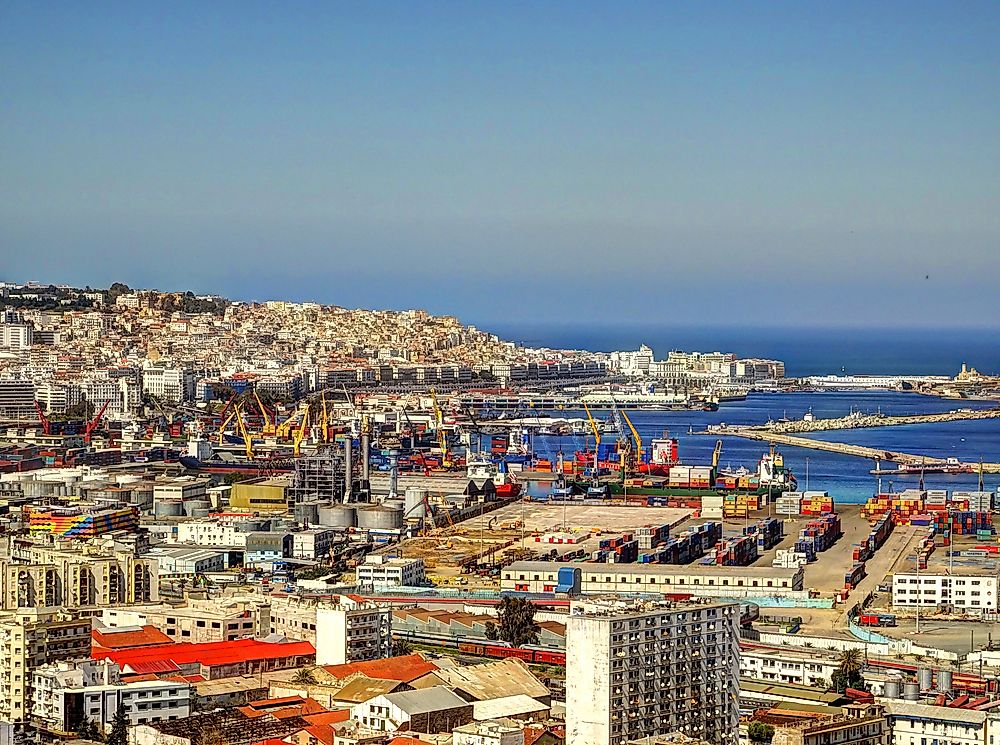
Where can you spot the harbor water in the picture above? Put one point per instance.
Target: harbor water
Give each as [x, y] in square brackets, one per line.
[847, 478]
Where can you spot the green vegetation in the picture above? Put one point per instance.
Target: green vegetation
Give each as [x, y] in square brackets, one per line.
[760, 732]
[516, 623]
[87, 730]
[119, 728]
[848, 675]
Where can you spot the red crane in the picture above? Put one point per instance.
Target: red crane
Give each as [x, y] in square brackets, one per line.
[43, 420]
[92, 424]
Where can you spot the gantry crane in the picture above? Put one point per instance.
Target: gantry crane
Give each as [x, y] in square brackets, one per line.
[300, 434]
[597, 438]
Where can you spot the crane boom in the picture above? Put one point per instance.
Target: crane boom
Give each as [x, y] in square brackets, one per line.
[42, 419]
[635, 435]
[92, 424]
[716, 454]
[263, 411]
[248, 444]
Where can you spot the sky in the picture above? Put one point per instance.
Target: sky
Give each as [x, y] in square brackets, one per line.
[775, 163]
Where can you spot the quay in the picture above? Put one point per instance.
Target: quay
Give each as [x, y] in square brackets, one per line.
[860, 451]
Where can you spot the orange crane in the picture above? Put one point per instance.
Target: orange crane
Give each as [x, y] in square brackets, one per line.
[42, 419]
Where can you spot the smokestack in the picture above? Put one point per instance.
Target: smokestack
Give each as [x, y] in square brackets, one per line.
[348, 468]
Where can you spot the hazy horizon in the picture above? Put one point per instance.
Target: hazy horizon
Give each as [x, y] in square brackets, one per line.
[790, 164]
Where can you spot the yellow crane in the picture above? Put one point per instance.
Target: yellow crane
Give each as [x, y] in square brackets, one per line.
[442, 437]
[716, 454]
[222, 427]
[325, 424]
[269, 426]
[635, 437]
[300, 433]
[242, 427]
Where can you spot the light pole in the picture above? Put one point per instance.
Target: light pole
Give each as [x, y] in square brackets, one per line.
[920, 589]
[807, 473]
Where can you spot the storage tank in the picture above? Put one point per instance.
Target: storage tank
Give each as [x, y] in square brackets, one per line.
[380, 517]
[925, 677]
[414, 502]
[893, 688]
[199, 512]
[911, 690]
[168, 508]
[192, 505]
[307, 512]
[944, 681]
[338, 516]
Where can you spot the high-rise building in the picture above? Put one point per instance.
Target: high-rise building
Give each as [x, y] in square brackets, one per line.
[641, 669]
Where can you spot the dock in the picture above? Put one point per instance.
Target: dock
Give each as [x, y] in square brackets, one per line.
[860, 451]
[860, 421]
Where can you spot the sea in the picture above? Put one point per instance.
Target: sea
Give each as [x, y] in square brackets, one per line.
[809, 352]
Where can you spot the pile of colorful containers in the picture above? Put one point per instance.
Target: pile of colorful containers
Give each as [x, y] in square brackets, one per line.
[739, 505]
[740, 551]
[816, 503]
[687, 546]
[902, 507]
[818, 535]
[768, 532]
[879, 534]
[854, 575]
[623, 550]
[926, 549]
[651, 536]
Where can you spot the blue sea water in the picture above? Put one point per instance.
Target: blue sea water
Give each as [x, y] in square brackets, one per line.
[805, 351]
[847, 478]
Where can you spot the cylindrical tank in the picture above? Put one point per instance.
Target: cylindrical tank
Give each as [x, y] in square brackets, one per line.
[338, 516]
[197, 504]
[307, 512]
[911, 690]
[893, 688]
[199, 512]
[944, 681]
[925, 677]
[380, 517]
[168, 508]
[414, 502]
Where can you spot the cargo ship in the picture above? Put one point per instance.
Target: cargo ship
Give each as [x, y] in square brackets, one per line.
[950, 466]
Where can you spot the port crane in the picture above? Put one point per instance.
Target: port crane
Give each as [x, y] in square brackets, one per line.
[244, 433]
[300, 433]
[269, 426]
[93, 423]
[635, 437]
[597, 438]
[225, 423]
[441, 434]
[43, 420]
[716, 454]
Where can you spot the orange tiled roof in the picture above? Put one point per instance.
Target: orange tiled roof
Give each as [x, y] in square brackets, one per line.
[406, 668]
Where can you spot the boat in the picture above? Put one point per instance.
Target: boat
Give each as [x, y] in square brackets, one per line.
[482, 469]
[948, 467]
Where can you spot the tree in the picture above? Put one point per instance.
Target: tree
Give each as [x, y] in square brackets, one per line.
[848, 674]
[492, 633]
[304, 676]
[87, 730]
[119, 727]
[760, 732]
[400, 647]
[517, 624]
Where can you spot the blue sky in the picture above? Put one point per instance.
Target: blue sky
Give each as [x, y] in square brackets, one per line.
[773, 163]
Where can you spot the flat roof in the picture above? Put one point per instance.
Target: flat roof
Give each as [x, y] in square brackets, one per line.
[658, 569]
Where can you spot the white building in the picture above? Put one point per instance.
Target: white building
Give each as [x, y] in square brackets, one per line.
[171, 384]
[641, 669]
[65, 693]
[487, 733]
[707, 581]
[346, 628]
[16, 335]
[314, 543]
[431, 710]
[211, 533]
[973, 594]
[380, 572]
[803, 667]
[922, 724]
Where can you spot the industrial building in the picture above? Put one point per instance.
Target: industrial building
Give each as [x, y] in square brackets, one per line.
[707, 581]
[380, 572]
[640, 669]
[974, 594]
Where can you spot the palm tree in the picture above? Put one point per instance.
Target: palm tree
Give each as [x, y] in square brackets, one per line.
[305, 676]
[851, 661]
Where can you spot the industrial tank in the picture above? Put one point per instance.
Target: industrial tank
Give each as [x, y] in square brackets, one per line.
[193, 505]
[338, 516]
[925, 676]
[414, 502]
[380, 517]
[307, 512]
[944, 681]
[168, 508]
[892, 688]
[199, 512]
[911, 690]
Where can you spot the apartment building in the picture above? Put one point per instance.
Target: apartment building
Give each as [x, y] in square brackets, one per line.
[198, 621]
[29, 639]
[381, 572]
[706, 581]
[66, 693]
[924, 724]
[869, 727]
[966, 593]
[641, 669]
[344, 629]
[172, 384]
[788, 665]
[42, 576]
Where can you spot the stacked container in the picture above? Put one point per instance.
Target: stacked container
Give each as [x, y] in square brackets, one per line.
[768, 532]
[651, 536]
[976, 501]
[816, 503]
[854, 576]
[789, 503]
[820, 534]
[790, 559]
[741, 551]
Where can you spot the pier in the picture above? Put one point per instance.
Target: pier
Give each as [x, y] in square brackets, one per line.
[860, 451]
[859, 421]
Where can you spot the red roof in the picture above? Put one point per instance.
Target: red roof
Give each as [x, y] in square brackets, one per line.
[126, 638]
[405, 668]
[406, 741]
[328, 717]
[171, 656]
[324, 733]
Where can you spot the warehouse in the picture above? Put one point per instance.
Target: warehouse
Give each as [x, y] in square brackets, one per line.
[714, 581]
